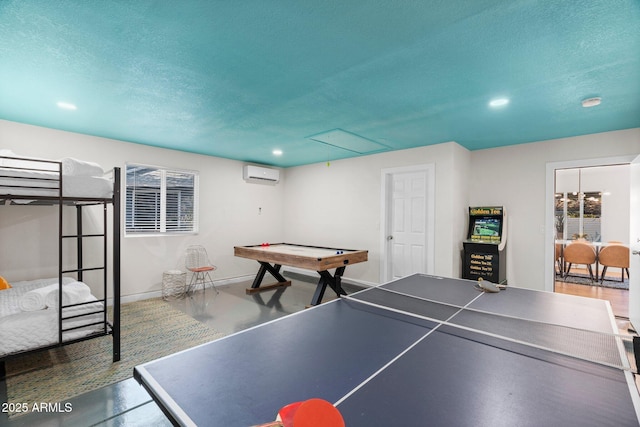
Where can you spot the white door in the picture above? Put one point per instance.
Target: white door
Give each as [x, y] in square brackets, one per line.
[634, 245]
[408, 236]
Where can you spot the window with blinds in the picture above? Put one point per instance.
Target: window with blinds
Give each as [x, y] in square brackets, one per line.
[160, 200]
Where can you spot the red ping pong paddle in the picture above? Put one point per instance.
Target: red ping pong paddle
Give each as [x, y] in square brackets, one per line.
[310, 413]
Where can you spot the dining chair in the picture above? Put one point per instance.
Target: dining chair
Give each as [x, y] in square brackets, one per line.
[579, 252]
[614, 255]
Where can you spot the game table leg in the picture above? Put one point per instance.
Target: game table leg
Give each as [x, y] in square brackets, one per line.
[274, 270]
[335, 282]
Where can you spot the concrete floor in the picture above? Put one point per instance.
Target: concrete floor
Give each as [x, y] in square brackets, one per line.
[229, 310]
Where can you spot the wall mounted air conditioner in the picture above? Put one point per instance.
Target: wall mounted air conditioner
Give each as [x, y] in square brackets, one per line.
[260, 173]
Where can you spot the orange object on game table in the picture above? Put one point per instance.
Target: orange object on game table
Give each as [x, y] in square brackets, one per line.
[310, 413]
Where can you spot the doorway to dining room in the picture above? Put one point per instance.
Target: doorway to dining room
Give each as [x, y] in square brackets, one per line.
[591, 212]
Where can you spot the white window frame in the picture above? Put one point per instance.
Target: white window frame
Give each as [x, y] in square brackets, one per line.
[162, 229]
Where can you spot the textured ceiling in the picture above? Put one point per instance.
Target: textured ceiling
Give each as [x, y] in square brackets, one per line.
[320, 80]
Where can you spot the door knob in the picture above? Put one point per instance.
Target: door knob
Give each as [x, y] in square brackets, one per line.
[389, 237]
[635, 252]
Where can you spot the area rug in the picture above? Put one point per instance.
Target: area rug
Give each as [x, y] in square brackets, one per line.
[584, 279]
[149, 329]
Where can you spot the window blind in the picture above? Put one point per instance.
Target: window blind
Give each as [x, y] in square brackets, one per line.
[160, 200]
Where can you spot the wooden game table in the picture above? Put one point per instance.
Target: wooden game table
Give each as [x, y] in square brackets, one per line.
[272, 257]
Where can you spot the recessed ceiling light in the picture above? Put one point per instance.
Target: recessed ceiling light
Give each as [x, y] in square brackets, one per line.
[498, 102]
[591, 102]
[66, 106]
[277, 152]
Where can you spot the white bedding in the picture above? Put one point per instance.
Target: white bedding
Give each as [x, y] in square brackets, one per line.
[79, 178]
[72, 185]
[20, 330]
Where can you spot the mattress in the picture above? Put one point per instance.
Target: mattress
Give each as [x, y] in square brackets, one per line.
[21, 331]
[72, 185]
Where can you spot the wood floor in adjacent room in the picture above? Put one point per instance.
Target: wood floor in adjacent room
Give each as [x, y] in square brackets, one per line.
[619, 298]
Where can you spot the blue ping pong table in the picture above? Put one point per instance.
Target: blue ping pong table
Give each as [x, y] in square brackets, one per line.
[422, 350]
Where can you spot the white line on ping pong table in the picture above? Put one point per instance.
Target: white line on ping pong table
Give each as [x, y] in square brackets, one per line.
[623, 366]
[506, 316]
[372, 376]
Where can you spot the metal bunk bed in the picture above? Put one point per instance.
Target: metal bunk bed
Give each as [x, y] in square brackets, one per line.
[41, 182]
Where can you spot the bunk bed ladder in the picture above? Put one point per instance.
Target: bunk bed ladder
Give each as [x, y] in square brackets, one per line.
[80, 269]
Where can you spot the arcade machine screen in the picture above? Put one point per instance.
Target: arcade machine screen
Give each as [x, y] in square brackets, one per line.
[486, 228]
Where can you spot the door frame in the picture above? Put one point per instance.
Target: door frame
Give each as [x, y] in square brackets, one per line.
[385, 199]
[634, 245]
[549, 204]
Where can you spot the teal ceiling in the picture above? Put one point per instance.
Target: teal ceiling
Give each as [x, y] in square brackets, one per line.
[320, 80]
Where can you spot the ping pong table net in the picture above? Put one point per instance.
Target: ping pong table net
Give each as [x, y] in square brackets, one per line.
[521, 335]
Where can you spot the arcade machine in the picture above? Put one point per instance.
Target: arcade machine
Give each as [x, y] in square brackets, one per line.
[483, 251]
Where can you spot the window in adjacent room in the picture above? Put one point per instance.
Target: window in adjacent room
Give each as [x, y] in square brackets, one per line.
[578, 203]
[578, 215]
[160, 200]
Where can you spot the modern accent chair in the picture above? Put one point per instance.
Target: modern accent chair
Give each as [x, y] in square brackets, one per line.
[198, 264]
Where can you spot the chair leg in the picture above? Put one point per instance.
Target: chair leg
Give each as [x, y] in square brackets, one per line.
[622, 270]
[566, 273]
[213, 285]
[590, 272]
[196, 279]
[201, 280]
[193, 282]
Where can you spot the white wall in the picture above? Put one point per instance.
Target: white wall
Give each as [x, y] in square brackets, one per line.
[516, 180]
[228, 211]
[339, 205]
[336, 205]
[459, 194]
